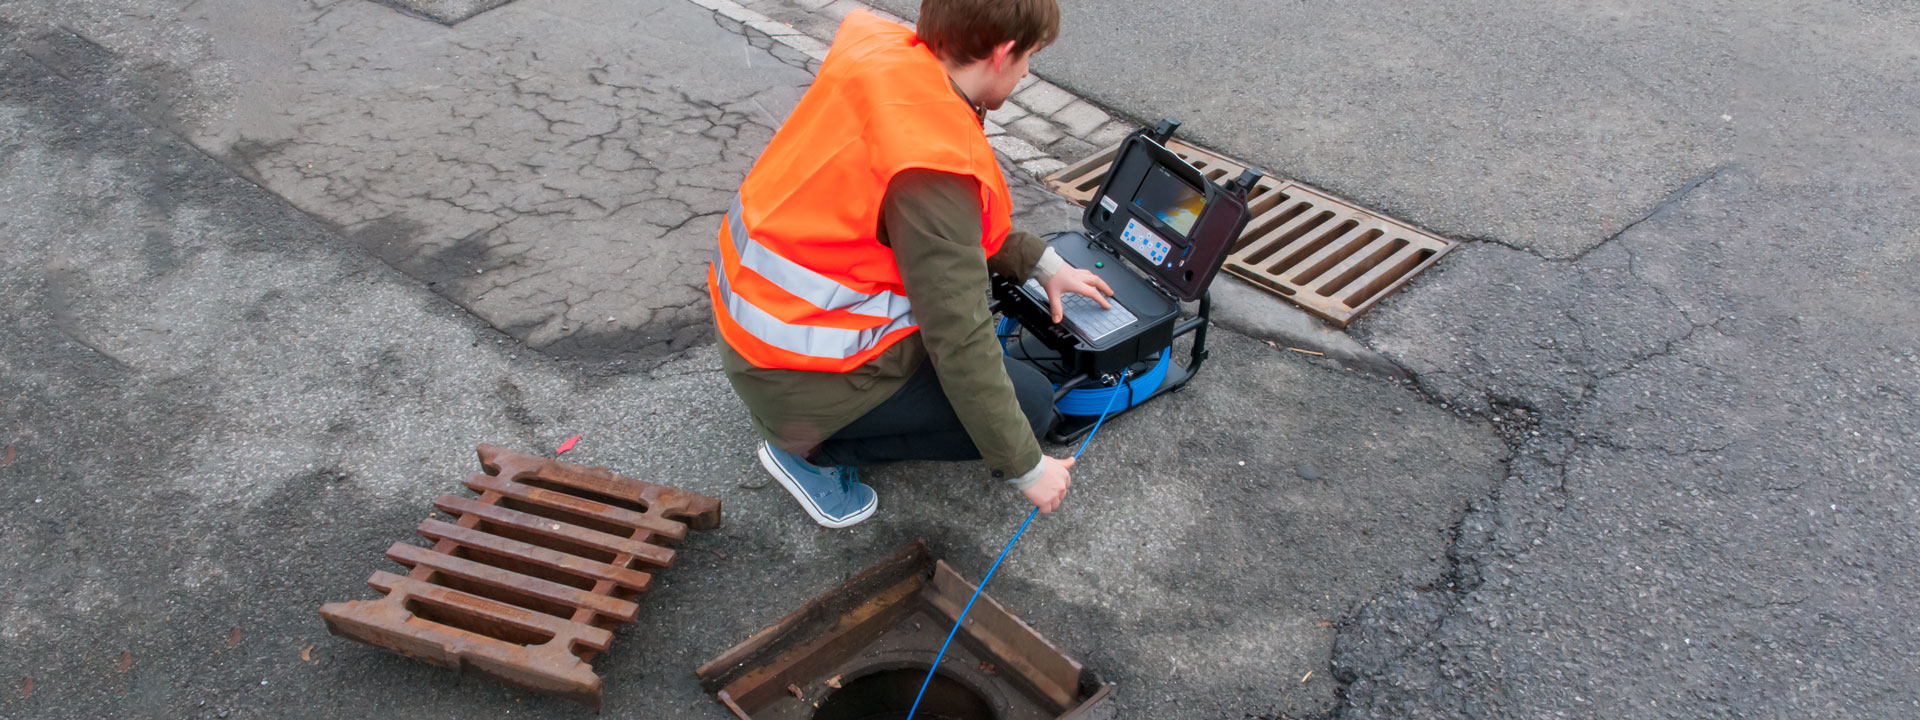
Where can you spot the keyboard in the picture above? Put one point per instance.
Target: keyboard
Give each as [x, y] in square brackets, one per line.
[1084, 314]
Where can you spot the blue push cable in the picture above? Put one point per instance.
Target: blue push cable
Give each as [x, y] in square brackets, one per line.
[996, 566]
[1096, 428]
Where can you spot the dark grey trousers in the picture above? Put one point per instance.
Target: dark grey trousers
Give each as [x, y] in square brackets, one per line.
[918, 423]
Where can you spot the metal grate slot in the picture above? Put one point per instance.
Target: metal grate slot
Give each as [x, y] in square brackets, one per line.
[1336, 255]
[1330, 257]
[1312, 248]
[1367, 262]
[1295, 229]
[1377, 283]
[455, 615]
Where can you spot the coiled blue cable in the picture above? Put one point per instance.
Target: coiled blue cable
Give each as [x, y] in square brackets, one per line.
[1094, 401]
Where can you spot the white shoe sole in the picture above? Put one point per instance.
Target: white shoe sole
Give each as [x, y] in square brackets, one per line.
[806, 501]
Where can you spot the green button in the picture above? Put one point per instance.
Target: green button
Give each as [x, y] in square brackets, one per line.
[1099, 264]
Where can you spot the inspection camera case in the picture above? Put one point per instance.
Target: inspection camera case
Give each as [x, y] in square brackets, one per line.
[1203, 246]
[1167, 261]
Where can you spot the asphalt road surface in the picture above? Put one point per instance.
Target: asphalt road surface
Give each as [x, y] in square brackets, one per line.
[273, 268]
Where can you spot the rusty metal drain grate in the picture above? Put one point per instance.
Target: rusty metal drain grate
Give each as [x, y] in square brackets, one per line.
[529, 581]
[1332, 258]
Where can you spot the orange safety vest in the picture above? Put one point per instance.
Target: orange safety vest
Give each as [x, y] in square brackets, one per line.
[799, 279]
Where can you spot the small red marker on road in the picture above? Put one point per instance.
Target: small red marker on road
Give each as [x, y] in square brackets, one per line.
[568, 445]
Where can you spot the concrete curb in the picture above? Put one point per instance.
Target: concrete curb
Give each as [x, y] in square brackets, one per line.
[1249, 311]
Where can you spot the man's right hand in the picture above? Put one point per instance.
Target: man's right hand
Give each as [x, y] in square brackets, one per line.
[1071, 279]
[1052, 486]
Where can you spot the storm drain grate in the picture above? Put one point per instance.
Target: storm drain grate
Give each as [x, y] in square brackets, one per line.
[528, 582]
[1332, 258]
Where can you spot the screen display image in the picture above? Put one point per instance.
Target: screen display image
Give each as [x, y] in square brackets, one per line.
[1170, 200]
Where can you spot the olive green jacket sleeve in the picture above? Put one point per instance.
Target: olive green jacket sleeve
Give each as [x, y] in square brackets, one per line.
[932, 221]
[1019, 256]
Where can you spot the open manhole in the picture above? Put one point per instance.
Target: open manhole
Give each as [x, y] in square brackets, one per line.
[861, 652]
[1332, 258]
[889, 694]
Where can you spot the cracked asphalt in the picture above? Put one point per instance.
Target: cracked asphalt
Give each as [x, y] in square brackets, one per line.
[1646, 448]
[234, 380]
[1689, 309]
[556, 178]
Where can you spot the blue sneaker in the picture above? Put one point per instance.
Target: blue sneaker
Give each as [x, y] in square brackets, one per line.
[833, 496]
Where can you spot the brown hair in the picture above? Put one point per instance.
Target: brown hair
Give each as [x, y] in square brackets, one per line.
[964, 31]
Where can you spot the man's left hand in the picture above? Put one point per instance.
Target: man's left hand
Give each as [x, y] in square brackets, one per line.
[1076, 280]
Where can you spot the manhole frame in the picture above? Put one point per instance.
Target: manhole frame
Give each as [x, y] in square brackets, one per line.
[845, 629]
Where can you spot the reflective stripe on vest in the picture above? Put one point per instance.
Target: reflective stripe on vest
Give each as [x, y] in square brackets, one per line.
[890, 312]
[819, 290]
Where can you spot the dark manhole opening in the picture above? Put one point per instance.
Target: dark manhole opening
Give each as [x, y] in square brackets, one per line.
[888, 695]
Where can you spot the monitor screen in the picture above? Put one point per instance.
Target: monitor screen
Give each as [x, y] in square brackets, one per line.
[1170, 200]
